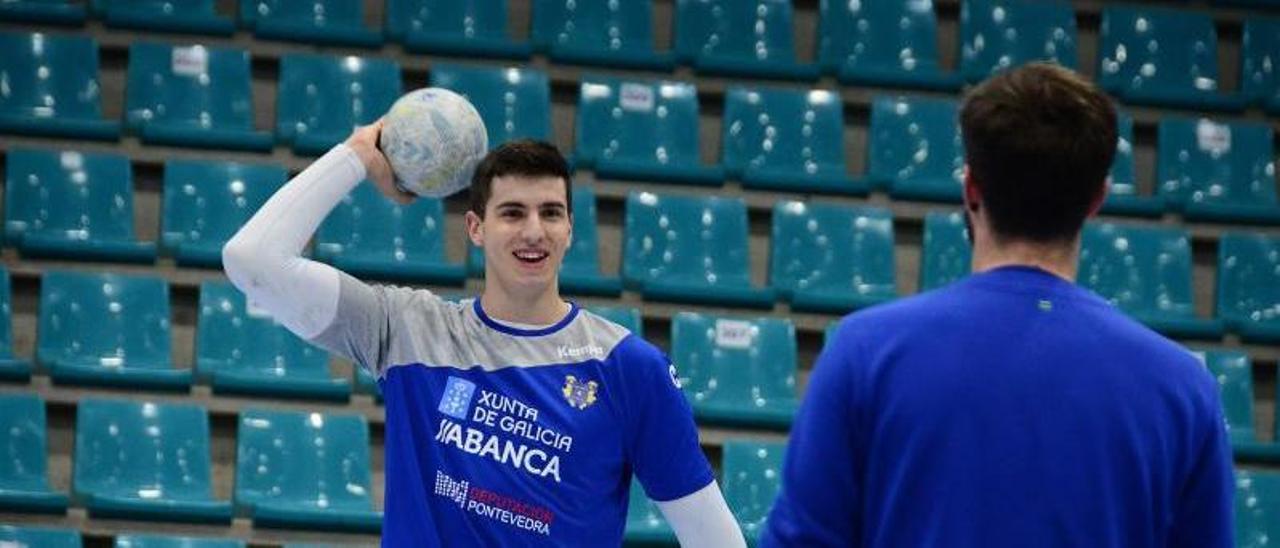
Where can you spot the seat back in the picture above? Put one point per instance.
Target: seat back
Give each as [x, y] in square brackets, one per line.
[752, 479]
[157, 541]
[626, 316]
[207, 201]
[327, 95]
[792, 130]
[1123, 178]
[514, 102]
[6, 315]
[583, 256]
[23, 439]
[1249, 278]
[915, 139]
[832, 248]
[1260, 47]
[1256, 506]
[735, 362]
[1202, 161]
[69, 194]
[142, 450]
[231, 335]
[683, 238]
[749, 30]
[49, 75]
[947, 256]
[317, 13]
[886, 35]
[617, 26]
[304, 460]
[38, 537]
[998, 35]
[1145, 48]
[367, 224]
[1140, 269]
[194, 86]
[109, 320]
[1234, 372]
[651, 122]
[470, 18]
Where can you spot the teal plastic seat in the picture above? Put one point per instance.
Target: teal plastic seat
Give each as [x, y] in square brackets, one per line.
[470, 28]
[24, 481]
[603, 34]
[369, 235]
[38, 537]
[882, 43]
[1249, 286]
[1259, 50]
[51, 86]
[325, 545]
[207, 201]
[832, 258]
[1218, 171]
[744, 38]
[1234, 371]
[641, 130]
[318, 22]
[365, 383]
[145, 460]
[687, 249]
[323, 97]
[157, 541]
[1146, 272]
[300, 470]
[1161, 57]
[243, 351]
[580, 273]
[789, 140]
[737, 371]
[1257, 508]
[947, 255]
[185, 16]
[107, 330]
[11, 368]
[55, 12]
[998, 35]
[626, 316]
[752, 479]
[193, 96]
[645, 524]
[72, 205]
[1123, 197]
[515, 103]
[915, 148]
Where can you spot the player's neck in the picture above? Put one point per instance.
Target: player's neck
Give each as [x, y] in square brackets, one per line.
[1057, 259]
[543, 308]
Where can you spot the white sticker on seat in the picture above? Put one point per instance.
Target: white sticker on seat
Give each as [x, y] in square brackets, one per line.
[1213, 138]
[636, 97]
[190, 61]
[734, 334]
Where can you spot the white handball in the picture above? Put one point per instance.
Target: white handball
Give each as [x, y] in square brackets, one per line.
[433, 138]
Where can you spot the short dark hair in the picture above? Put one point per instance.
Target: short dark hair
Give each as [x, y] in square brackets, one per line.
[1039, 141]
[524, 157]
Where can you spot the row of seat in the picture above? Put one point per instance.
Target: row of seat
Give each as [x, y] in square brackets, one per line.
[24, 536]
[1149, 55]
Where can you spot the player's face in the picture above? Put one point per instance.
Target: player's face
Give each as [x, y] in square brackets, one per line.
[525, 232]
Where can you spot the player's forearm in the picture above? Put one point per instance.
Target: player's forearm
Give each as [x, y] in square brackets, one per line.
[703, 519]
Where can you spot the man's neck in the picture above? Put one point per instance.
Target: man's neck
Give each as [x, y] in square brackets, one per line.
[545, 308]
[1055, 259]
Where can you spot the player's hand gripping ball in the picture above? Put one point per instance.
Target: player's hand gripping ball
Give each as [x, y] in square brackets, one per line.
[433, 138]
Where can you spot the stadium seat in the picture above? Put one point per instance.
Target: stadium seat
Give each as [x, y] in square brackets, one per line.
[323, 97]
[72, 205]
[108, 330]
[832, 258]
[11, 368]
[580, 273]
[1257, 506]
[369, 235]
[365, 383]
[603, 34]
[1122, 193]
[789, 140]
[915, 148]
[1260, 50]
[641, 130]
[514, 102]
[752, 479]
[207, 201]
[737, 371]
[56, 12]
[1161, 57]
[241, 350]
[1218, 172]
[883, 43]
[471, 28]
[157, 541]
[997, 35]
[1249, 285]
[626, 316]
[1234, 371]
[319, 22]
[947, 255]
[299, 470]
[1146, 272]
[193, 96]
[687, 249]
[645, 524]
[24, 536]
[24, 481]
[324, 545]
[145, 460]
[743, 38]
[186, 16]
[51, 86]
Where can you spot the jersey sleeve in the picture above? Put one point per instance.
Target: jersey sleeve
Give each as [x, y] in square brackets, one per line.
[370, 319]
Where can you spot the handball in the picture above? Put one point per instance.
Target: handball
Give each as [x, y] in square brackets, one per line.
[433, 138]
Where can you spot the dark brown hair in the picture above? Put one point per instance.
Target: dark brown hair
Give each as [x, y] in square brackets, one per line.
[523, 157]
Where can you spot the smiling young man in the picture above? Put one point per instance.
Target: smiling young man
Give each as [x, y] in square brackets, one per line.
[514, 419]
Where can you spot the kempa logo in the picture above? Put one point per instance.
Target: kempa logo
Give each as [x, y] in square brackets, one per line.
[589, 350]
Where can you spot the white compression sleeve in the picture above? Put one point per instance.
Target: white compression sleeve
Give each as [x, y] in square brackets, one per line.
[702, 518]
[264, 259]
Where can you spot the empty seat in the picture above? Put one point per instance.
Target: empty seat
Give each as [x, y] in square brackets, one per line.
[884, 43]
[1249, 285]
[24, 482]
[1163, 57]
[1218, 171]
[206, 202]
[580, 273]
[997, 35]
[752, 478]
[786, 140]
[145, 460]
[369, 235]
[58, 12]
[365, 383]
[737, 371]
[38, 537]
[453, 27]
[51, 86]
[915, 148]
[641, 130]
[305, 471]
[1234, 371]
[604, 34]
[187, 16]
[832, 258]
[1122, 194]
[322, 97]
[1257, 507]
[241, 350]
[1260, 73]
[157, 541]
[514, 102]
[751, 38]
[11, 368]
[107, 329]
[191, 96]
[687, 249]
[626, 316]
[947, 254]
[72, 205]
[321, 22]
[645, 524]
[1146, 272]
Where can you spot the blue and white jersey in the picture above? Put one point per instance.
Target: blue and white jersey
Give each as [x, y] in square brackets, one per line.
[503, 436]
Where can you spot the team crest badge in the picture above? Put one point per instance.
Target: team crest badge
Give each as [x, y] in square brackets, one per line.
[579, 394]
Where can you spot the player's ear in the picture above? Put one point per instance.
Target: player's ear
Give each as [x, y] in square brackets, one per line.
[972, 197]
[475, 228]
